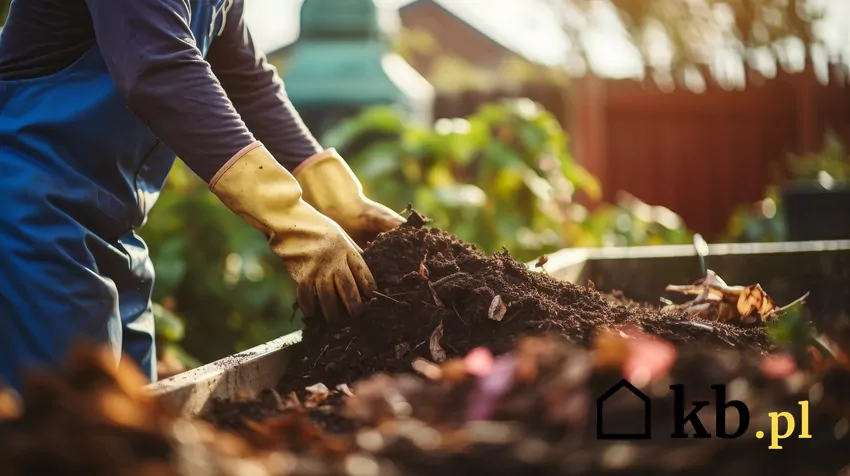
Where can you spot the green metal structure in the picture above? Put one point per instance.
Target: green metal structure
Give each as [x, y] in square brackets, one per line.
[343, 63]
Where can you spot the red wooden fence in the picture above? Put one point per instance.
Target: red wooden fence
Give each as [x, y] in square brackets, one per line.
[699, 154]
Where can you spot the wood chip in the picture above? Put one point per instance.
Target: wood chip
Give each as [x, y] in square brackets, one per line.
[428, 369]
[497, 309]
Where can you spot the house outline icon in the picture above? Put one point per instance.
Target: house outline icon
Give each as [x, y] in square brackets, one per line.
[647, 414]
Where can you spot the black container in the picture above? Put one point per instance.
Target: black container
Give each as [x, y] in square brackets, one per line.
[813, 212]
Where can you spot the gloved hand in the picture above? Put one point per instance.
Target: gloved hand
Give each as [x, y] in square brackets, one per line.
[317, 253]
[331, 187]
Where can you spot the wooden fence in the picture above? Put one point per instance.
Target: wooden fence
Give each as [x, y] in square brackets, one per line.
[699, 154]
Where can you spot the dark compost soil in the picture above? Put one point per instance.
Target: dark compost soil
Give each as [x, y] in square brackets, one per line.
[532, 409]
[429, 278]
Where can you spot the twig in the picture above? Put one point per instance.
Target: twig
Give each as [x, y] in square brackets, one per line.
[387, 297]
[793, 303]
[324, 349]
[458, 315]
[448, 278]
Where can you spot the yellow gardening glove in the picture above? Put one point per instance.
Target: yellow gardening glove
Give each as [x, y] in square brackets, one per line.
[317, 253]
[331, 187]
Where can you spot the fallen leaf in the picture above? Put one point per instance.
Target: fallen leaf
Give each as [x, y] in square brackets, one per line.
[345, 389]
[755, 300]
[437, 352]
[497, 309]
[318, 394]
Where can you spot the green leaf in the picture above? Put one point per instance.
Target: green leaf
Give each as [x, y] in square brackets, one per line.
[168, 326]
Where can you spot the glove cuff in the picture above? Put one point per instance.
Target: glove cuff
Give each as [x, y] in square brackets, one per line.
[257, 188]
[245, 150]
[311, 161]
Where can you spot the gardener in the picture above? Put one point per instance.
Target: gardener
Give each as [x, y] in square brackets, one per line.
[96, 98]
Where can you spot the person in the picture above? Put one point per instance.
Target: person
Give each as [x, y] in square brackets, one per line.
[97, 99]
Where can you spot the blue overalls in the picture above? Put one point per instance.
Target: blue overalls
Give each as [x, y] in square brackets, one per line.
[79, 173]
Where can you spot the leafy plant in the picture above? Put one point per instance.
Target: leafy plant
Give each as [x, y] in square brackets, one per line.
[502, 176]
[628, 222]
[833, 159]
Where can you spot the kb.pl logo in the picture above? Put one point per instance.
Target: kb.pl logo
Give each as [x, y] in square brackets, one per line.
[682, 417]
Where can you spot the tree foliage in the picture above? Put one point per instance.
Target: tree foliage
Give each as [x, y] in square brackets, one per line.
[694, 31]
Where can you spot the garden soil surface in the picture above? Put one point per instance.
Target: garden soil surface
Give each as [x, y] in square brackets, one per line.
[435, 298]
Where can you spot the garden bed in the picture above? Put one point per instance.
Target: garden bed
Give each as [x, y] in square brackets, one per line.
[465, 363]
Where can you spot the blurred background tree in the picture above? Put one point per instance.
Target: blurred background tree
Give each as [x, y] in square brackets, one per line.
[675, 35]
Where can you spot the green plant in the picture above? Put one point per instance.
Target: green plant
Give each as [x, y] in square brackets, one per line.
[170, 330]
[627, 222]
[502, 176]
[833, 159]
[762, 221]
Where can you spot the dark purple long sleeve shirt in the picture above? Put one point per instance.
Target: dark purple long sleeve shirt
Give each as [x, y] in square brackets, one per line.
[204, 110]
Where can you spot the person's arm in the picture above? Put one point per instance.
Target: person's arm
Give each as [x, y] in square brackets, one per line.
[151, 55]
[258, 93]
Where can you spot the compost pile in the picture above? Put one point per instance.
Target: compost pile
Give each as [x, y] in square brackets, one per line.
[463, 363]
[440, 297]
[94, 418]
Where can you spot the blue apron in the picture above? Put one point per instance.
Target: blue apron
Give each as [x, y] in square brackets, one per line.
[79, 173]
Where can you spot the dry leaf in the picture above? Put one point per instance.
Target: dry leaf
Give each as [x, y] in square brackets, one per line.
[344, 389]
[541, 261]
[717, 301]
[437, 352]
[318, 394]
[755, 300]
[497, 309]
[423, 270]
[401, 349]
